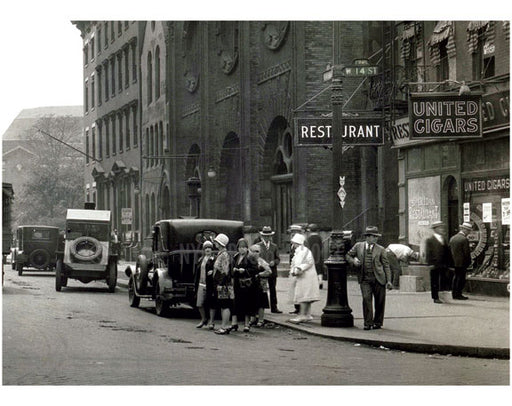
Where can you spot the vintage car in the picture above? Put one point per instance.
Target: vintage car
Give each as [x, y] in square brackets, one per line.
[34, 247]
[166, 273]
[87, 253]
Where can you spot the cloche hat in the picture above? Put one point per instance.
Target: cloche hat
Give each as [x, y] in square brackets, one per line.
[298, 239]
[221, 239]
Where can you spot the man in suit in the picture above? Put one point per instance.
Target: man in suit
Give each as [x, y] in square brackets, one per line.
[437, 255]
[374, 276]
[270, 253]
[459, 247]
[315, 244]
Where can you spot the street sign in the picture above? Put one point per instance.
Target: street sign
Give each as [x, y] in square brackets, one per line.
[354, 131]
[360, 70]
[126, 215]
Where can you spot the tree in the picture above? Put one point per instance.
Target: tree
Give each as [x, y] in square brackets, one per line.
[55, 177]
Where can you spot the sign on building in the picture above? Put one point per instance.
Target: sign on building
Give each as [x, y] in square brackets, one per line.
[445, 115]
[354, 131]
[126, 215]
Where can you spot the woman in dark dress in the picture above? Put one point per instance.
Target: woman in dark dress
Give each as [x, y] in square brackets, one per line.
[204, 285]
[261, 273]
[244, 272]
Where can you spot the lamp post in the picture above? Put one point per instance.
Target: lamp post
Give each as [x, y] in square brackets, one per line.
[337, 312]
[194, 184]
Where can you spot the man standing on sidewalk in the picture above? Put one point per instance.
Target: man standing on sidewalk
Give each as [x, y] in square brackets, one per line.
[270, 253]
[315, 244]
[374, 276]
[437, 255]
[459, 246]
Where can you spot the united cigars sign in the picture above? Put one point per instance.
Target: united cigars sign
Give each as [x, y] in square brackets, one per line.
[445, 115]
[354, 131]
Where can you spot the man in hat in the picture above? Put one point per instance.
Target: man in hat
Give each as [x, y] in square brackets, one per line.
[437, 255]
[459, 247]
[270, 253]
[374, 276]
[315, 244]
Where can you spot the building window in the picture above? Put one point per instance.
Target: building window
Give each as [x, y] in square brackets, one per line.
[121, 138]
[107, 88]
[86, 54]
[157, 73]
[93, 142]
[112, 31]
[148, 153]
[160, 142]
[119, 28]
[443, 72]
[100, 141]
[105, 35]
[107, 138]
[100, 80]
[113, 73]
[113, 135]
[149, 81]
[86, 95]
[99, 40]
[92, 49]
[127, 127]
[135, 128]
[126, 68]
[134, 64]
[86, 145]
[93, 91]
[152, 144]
[482, 49]
[120, 71]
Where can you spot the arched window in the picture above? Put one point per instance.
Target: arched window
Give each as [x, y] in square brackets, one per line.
[149, 83]
[157, 73]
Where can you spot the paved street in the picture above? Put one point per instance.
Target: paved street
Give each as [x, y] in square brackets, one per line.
[86, 336]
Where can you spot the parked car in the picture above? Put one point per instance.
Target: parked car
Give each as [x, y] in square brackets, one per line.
[166, 273]
[34, 247]
[87, 254]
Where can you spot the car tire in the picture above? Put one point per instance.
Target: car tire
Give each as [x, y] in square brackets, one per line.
[58, 276]
[143, 268]
[39, 258]
[19, 268]
[75, 252]
[112, 276]
[132, 297]
[161, 306]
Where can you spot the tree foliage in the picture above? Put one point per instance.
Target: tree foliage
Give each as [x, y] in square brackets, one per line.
[55, 177]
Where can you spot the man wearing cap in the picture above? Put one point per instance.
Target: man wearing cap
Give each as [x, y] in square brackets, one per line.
[459, 247]
[270, 253]
[437, 255]
[374, 276]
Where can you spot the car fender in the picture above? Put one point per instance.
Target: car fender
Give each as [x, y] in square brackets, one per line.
[129, 271]
[164, 281]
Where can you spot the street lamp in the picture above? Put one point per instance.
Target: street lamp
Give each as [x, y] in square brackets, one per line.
[194, 187]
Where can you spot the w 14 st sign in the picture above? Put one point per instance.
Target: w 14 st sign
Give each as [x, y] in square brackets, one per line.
[354, 131]
[445, 115]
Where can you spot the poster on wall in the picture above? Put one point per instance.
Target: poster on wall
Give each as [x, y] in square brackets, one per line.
[467, 214]
[487, 212]
[424, 207]
[505, 211]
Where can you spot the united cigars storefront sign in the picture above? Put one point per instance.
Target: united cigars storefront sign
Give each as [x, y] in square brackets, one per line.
[354, 131]
[445, 115]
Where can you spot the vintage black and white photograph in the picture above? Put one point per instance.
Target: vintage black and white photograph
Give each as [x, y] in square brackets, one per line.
[272, 199]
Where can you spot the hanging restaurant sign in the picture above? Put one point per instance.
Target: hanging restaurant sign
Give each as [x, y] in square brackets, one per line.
[445, 115]
[354, 131]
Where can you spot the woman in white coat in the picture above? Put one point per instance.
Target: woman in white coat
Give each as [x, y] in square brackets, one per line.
[304, 286]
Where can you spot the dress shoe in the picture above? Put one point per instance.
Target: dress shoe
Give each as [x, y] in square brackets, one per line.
[276, 311]
[222, 331]
[294, 312]
[233, 327]
[203, 323]
[437, 301]
[367, 327]
[376, 327]
[296, 320]
[461, 297]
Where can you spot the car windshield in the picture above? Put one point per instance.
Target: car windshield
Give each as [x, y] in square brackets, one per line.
[40, 234]
[100, 231]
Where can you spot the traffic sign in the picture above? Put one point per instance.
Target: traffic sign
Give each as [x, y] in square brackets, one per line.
[360, 70]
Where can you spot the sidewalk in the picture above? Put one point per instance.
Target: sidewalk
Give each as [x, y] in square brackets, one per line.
[478, 327]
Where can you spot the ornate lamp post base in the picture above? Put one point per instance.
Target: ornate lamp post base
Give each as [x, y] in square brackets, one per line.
[337, 312]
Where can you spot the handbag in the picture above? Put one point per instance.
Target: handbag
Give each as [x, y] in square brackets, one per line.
[245, 282]
[225, 292]
[264, 284]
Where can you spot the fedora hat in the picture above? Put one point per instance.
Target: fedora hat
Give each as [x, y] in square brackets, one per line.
[466, 225]
[298, 239]
[436, 224]
[372, 230]
[221, 239]
[267, 230]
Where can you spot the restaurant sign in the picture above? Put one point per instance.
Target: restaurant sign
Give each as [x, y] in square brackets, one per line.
[445, 115]
[319, 131]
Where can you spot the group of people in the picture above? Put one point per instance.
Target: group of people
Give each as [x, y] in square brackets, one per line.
[239, 285]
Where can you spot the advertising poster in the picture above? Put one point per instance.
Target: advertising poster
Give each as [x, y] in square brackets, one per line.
[487, 212]
[424, 206]
[505, 211]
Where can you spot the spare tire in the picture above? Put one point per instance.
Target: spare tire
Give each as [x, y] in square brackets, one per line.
[39, 258]
[85, 248]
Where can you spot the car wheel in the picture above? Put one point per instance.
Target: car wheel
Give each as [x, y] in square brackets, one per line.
[112, 277]
[143, 271]
[39, 258]
[161, 306]
[58, 276]
[19, 268]
[132, 297]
